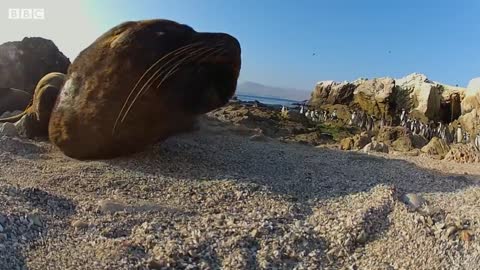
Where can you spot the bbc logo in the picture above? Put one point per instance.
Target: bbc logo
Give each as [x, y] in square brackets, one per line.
[26, 13]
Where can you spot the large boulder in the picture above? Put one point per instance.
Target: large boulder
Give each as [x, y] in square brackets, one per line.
[331, 92]
[472, 96]
[402, 144]
[426, 95]
[436, 147]
[470, 121]
[24, 63]
[373, 96]
[389, 134]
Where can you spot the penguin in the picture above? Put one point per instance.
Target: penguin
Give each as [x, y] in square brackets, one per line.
[477, 141]
[334, 114]
[459, 134]
[466, 137]
[403, 115]
[353, 118]
[301, 109]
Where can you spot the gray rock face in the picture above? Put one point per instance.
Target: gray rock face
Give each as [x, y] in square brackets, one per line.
[24, 63]
[8, 129]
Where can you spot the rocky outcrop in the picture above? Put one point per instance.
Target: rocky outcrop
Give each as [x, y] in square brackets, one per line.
[386, 97]
[436, 147]
[24, 63]
[425, 94]
[470, 121]
[331, 92]
[472, 96]
[373, 96]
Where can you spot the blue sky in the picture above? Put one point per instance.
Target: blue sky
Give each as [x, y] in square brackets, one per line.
[350, 39]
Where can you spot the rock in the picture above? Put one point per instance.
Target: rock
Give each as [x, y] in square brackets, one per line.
[360, 140]
[436, 147]
[24, 63]
[111, 206]
[418, 141]
[296, 116]
[471, 100]
[402, 144]
[362, 237]
[8, 129]
[463, 153]
[450, 231]
[375, 147]
[413, 200]
[330, 92]
[372, 96]
[470, 121]
[389, 134]
[426, 94]
[78, 224]
[346, 143]
[1, 228]
[35, 219]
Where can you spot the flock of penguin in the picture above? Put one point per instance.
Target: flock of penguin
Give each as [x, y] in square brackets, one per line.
[368, 122]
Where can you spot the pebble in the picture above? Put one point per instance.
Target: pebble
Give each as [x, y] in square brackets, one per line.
[35, 220]
[362, 237]
[450, 230]
[1, 228]
[111, 206]
[413, 200]
[3, 220]
[79, 224]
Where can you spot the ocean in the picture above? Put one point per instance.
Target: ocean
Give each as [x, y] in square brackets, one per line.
[269, 100]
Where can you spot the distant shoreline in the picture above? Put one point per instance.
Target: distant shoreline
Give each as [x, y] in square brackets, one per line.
[268, 100]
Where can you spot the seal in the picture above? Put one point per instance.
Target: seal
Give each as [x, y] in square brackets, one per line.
[12, 99]
[140, 83]
[36, 116]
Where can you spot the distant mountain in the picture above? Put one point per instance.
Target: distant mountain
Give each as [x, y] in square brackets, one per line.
[256, 89]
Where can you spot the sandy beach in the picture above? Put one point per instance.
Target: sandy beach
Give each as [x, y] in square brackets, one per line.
[214, 199]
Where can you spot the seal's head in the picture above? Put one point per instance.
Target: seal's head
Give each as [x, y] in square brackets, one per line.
[139, 83]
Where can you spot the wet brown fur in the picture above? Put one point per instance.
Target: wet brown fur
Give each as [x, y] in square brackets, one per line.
[129, 89]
